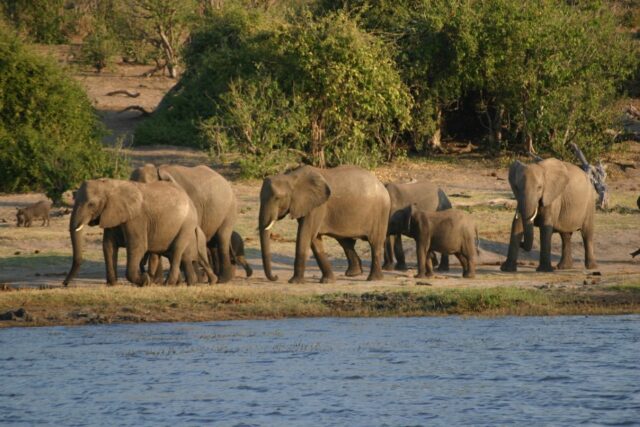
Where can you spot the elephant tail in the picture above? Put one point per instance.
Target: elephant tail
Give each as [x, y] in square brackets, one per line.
[477, 242]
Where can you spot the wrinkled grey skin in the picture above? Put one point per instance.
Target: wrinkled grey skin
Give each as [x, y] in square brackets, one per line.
[212, 196]
[427, 197]
[448, 232]
[37, 210]
[237, 254]
[345, 202]
[159, 218]
[556, 197]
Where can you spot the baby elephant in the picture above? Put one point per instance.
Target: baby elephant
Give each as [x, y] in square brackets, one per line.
[38, 210]
[236, 250]
[448, 232]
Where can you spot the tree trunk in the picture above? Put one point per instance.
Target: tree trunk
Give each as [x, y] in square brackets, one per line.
[435, 142]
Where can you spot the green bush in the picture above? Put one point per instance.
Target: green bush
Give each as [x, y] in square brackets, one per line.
[547, 71]
[42, 21]
[317, 90]
[99, 47]
[49, 133]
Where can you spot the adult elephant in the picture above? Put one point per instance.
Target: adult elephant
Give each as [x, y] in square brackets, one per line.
[427, 197]
[555, 196]
[345, 202]
[213, 198]
[157, 218]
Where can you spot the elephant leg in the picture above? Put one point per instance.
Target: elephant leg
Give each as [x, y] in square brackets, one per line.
[566, 260]
[189, 272]
[110, 252]
[323, 261]
[307, 228]
[135, 253]
[227, 270]
[240, 259]
[398, 251]
[546, 231]
[464, 262]
[425, 268]
[154, 267]
[176, 262]
[587, 239]
[388, 253]
[354, 267]
[377, 254]
[444, 263]
[517, 231]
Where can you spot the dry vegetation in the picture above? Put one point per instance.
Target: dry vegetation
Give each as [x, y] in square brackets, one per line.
[36, 259]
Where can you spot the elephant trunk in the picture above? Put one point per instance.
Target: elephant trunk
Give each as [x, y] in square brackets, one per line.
[528, 213]
[265, 246]
[77, 240]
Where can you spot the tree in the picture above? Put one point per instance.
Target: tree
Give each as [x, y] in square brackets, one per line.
[49, 133]
[164, 24]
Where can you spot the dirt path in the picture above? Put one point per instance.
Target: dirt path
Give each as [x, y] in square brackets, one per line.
[40, 256]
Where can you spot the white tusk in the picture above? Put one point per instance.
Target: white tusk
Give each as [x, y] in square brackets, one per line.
[268, 227]
[80, 227]
[516, 215]
[533, 216]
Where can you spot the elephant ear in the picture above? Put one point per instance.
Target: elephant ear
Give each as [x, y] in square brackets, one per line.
[556, 178]
[409, 216]
[309, 191]
[123, 202]
[515, 172]
[165, 175]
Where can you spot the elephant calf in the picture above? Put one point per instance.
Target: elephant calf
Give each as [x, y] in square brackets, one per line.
[38, 210]
[448, 232]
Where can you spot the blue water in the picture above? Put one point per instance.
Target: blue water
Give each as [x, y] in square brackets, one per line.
[321, 372]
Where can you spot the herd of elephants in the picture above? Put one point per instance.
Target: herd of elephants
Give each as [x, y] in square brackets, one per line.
[187, 214]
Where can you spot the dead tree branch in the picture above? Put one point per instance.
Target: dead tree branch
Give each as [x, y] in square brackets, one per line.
[597, 175]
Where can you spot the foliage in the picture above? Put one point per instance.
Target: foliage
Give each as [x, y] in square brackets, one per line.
[49, 134]
[43, 21]
[530, 72]
[319, 90]
[99, 47]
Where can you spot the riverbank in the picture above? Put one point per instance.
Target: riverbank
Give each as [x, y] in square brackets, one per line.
[126, 304]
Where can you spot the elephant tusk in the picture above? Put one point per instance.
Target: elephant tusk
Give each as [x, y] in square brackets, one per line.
[516, 217]
[533, 216]
[80, 227]
[268, 227]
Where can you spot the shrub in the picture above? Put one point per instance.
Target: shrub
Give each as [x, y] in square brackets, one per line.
[49, 134]
[319, 91]
[98, 47]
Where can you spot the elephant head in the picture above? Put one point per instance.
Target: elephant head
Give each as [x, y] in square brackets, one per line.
[104, 202]
[150, 173]
[536, 186]
[296, 193]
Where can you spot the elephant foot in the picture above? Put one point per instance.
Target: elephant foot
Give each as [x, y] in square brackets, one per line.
[423, 275]
[387, 266]
[375, 275]
[352, 272]
[562, 265]
[509, 266]
[248, 270]
[590, 265]
[469, 274]
[297, 280]
[145, 280]
[545, 268]
[401, 266]
[443, 267]
[328, 279]
[109, 283]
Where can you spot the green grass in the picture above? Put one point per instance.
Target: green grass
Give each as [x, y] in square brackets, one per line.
[126, 304]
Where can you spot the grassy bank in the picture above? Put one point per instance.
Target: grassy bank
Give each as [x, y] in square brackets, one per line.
[78, 306]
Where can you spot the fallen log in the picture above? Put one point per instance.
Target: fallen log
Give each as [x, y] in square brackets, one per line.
[137, 108]
[124, 92]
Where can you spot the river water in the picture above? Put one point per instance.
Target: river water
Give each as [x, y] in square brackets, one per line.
[322, 372]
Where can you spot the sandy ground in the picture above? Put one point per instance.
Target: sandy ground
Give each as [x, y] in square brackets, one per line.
[40, 256]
